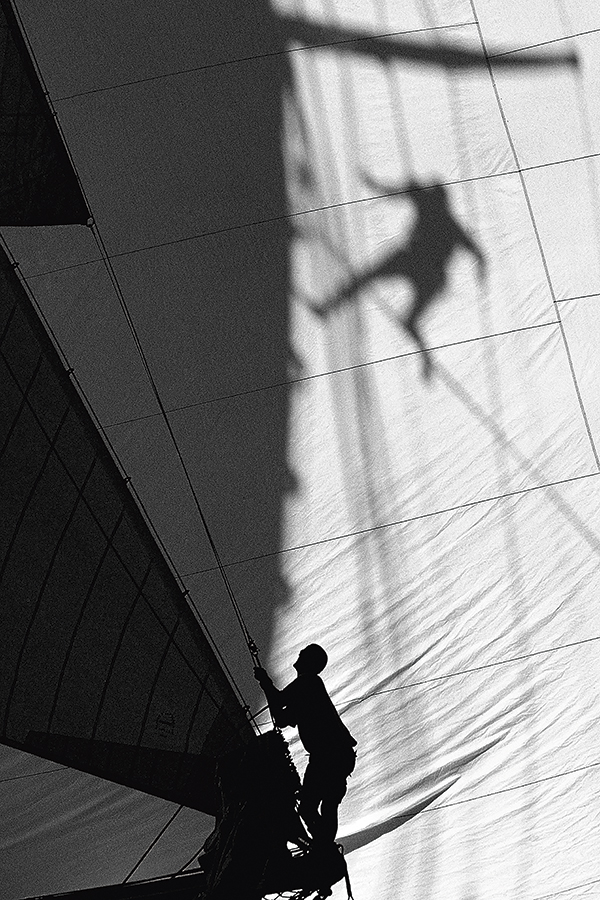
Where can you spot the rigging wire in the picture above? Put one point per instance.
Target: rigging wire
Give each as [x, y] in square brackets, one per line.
[300, 379]
[120, 468]
[153, 844]
[165, 416]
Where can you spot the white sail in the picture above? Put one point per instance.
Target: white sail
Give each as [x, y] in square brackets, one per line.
[276, 192]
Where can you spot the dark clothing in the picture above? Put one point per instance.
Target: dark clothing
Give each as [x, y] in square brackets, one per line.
[306, 703]
[323, 789]
[326, 774]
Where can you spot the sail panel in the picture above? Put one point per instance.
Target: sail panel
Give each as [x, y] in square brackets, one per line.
[38, 185]
[100, 649]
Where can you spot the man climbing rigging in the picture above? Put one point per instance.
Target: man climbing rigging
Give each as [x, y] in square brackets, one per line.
[306, 703]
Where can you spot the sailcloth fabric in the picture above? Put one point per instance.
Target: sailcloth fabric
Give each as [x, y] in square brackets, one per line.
[37, 184]
[450, 556]
[298, 198]
[104, 666]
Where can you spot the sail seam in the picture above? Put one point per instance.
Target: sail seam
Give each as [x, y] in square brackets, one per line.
[514, 787]
[576, 887]
[23, 403]
[541, 251]
[195, 612]
[551, 287]
[355, 701]
[407, 521]
[107, 548]
[32, 492]
[271, 220]
[330, 372]
[259, 56]
[152, 844]
[52, 450]
[560, 40]
[310, 47]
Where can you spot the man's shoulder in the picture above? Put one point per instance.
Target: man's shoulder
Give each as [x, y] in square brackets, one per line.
[311, 683]
[304, 686]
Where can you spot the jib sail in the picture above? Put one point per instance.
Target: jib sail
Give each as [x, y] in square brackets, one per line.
[103, 664]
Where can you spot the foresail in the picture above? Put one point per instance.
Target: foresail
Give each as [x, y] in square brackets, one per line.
[180, 887]
[37, 183]
[104, 667]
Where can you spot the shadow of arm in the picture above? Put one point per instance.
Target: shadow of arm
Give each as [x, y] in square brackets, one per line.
[390, 49]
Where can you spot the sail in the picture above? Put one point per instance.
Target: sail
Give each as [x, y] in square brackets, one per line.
[173, 887]
[37, 183]
[365, 277]
[104, 667]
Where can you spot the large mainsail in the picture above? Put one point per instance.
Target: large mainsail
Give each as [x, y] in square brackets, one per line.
[248, 165]
[104, 666]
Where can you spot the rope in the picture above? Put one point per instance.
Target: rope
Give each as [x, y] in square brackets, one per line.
[153, 844]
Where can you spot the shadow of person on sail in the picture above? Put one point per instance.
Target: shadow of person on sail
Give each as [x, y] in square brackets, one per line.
[422, 261]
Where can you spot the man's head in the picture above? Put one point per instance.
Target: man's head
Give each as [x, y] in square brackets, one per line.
[311, 660]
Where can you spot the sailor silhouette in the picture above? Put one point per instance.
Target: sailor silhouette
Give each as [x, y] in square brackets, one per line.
[306, 703]
[423, 260]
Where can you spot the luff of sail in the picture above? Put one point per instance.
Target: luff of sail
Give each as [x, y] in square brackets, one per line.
[104, 667]
[38, 185]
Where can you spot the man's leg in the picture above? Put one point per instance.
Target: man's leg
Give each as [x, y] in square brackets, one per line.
[332, 797]
[310, 798]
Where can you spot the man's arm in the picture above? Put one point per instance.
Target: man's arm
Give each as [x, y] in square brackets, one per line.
[275, 698]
